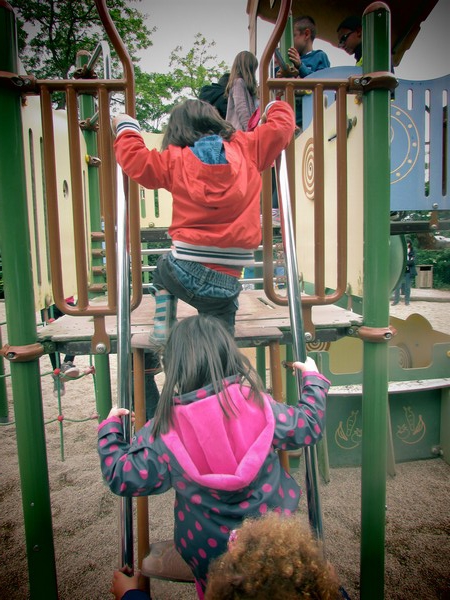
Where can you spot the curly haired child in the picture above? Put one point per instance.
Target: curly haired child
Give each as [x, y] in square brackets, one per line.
[272, 558]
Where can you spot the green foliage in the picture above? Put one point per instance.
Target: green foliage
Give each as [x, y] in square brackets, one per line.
[191, 71]
[440, 259]
[158, 93]
[52, 32]
[155, 98]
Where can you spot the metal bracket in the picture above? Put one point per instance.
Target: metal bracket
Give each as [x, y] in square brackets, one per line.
[88, 125]
[376, 334]
[93, 161]
[85, 72]
[379, 80]
[308, 326]
[22, 353]
[100, 343]
[23, 84]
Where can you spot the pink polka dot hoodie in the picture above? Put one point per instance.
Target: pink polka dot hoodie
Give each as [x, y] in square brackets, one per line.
[223, 468]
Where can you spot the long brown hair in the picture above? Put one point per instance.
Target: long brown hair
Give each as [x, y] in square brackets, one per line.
[201, 352]
[244, 67]
[192, 120]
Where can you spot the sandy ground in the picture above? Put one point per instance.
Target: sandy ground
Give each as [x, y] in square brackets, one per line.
[85, 513]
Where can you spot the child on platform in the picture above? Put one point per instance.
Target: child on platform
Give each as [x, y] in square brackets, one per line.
[304, 59]
[302, 55]
[213, 173]
[242, 90]
[349, 34]
[213, 439]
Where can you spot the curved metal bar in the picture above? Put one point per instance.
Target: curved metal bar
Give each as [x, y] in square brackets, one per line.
[102, 88]
[123, 280]
[103, 49]
[123, 352]
[122, 53]
[266, 177]
[270, 49]
[341, 87]
[130, 108]
[298, 337]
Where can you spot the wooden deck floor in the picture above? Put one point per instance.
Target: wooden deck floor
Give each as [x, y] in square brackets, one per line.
[257, 320]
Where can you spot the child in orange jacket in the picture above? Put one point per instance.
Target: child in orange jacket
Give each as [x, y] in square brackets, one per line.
[213, 174]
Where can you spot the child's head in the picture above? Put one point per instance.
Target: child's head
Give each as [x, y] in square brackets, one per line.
[244, 67]
[272, 557]
[304, 34]
[350, 34]
[201, 352]
[192, 120]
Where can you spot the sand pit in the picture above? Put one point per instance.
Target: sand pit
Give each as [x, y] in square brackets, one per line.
[85, 515]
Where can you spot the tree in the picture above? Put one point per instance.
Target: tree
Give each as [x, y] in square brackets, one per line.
[197, 67]
[52, 32]
[158, 93]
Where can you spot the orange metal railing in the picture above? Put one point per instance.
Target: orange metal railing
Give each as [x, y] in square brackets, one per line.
[287, 88]
[101, 89]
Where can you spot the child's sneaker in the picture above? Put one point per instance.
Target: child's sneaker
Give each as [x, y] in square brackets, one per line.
[69, 370]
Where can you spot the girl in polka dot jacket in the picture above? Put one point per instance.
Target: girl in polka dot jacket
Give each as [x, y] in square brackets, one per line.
[213, 439]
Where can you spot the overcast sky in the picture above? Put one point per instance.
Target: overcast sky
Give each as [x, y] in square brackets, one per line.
[225, 22]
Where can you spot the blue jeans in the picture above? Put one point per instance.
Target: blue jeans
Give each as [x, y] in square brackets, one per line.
[207, 290]
[405, 286]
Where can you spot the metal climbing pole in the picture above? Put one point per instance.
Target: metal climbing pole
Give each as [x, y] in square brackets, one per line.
[23, 351]
[376, 333]
[124, 353]
[89, 121]
[298, 335]
[4, 415]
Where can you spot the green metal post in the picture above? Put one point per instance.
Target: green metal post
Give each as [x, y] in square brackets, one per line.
[261, 362]
[20, 317]
[87, 110]
[4, 413]
[102, 385]
[376, 56]
[287, 39]
[102, 366]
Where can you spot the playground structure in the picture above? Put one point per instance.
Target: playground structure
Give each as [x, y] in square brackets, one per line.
[333, 278]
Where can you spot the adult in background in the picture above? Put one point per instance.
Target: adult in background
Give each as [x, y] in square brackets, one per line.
[410, 272]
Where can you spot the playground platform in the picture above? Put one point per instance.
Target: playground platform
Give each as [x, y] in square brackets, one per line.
[258, 321]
